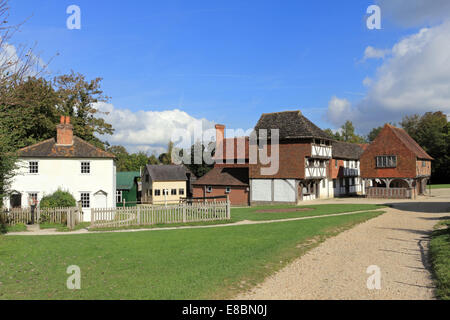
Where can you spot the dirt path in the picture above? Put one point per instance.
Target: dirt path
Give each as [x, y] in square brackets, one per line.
[396, 242]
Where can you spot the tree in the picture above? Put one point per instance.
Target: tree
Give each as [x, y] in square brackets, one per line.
[431, 132]
[166, 158]
[77, 98]
[373, 134]
[200, 169]
[346, 134]
[129, 162]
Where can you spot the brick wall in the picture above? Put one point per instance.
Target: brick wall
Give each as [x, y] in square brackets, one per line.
[291, 161]
[237, 196]
[386, 144]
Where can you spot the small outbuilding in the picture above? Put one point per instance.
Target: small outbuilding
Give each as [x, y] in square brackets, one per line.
[127, 188]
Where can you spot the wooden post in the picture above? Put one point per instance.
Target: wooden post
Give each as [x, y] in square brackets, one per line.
[138, 215]
[228, 208]
[184, 213]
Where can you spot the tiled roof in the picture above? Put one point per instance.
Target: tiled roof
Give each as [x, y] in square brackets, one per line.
[49, 149]
[344, 150]
[167, 172]
[292, 125]
[125, 180]
[225, 177]
[410, 143]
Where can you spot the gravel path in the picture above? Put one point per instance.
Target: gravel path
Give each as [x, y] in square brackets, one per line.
[396, 242]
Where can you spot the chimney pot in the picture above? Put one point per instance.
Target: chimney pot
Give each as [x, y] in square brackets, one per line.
[62, 120]
[64, 132]
[220, 136]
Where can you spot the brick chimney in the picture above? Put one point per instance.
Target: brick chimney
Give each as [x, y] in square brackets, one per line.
[64, 132]
[220, 136]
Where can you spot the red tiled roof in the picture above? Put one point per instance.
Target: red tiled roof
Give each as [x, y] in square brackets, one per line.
[225, 177]
[410, 143]
[49, 149]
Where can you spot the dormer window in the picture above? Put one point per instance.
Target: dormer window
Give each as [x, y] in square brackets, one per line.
[33, 167]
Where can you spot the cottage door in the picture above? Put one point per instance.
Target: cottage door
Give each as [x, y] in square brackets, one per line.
[100, 200]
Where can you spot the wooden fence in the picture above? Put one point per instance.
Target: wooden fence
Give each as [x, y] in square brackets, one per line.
[146, 215]
[389, 193]
[70, 216]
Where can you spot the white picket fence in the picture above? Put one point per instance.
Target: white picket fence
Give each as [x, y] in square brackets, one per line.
[70, 216]
[146, 215]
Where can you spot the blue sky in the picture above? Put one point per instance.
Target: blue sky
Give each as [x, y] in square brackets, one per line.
[225, 61]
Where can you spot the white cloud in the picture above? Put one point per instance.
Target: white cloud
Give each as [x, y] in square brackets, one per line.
[415, 78]
[413, 13]
[13, 60]
[148, 131]
[336, 108]
[374, 53]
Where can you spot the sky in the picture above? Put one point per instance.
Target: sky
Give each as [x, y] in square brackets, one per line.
[179, 64]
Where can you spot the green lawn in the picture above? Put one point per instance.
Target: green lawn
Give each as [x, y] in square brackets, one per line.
[440, 186]
[211, 263]
[440, 255]
[252, 214]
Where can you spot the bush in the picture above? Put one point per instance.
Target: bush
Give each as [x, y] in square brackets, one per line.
[58, 199]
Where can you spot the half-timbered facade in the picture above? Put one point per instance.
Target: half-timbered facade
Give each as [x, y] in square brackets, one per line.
[304, 153]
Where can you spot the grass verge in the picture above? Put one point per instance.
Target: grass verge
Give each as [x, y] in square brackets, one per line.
[174, 264]
[253, 214]
[440, 186]
[440, 259]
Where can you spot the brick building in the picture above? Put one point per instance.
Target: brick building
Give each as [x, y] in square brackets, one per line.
[229, 177]
[304, 155]
[345, 170]
[396, 165]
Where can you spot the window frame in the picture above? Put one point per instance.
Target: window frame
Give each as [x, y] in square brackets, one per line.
[227, 190]
[385, 161]
[30, 166]
[157, 192]
[119, 195]
[208, 189]
[172, 192]
[85, 167]
[181, 191]
[83, 200]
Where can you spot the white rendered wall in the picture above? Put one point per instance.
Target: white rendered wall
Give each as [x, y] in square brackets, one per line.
[261, 190]
[284, 190]
[66, 175]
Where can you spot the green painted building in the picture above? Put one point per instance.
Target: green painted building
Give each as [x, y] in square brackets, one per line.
[127, 190]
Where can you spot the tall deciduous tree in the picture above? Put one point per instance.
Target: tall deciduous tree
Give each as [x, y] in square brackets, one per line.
[431, 132]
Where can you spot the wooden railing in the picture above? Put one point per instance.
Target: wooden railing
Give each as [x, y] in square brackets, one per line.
[389, 193]
[147, 215]
[69, 216]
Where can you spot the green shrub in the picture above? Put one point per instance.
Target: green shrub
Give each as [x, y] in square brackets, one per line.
[58, 199]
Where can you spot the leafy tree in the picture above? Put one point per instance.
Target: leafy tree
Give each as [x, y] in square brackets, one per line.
[200, 169]
[346, 134]
[128, 162]
[431, 132]
[373, 134]
[77, 98]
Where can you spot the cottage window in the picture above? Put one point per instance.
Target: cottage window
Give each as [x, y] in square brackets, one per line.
[119, 196]
[33, 198]
[173, 192]
[33, 167]
[424, 163]
[165, 192]
[181, 192]
[209, 189]
[85, 167]
[323, 183]
[85, 200]
[386, 161]
[157, 192]
[227, 189]
[335, 164]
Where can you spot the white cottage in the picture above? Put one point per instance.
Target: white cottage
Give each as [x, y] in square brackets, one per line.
[67, 163]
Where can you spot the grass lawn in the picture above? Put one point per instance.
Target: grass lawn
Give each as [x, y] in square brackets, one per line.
[211, 263]
[440, 256]
[252, 214]
[20, 227]
[440, 186]
[63, 227]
